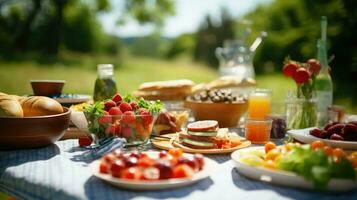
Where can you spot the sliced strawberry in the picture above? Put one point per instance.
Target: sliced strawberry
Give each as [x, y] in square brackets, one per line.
[117, 98]
[289, 69]
[109, 104]
[301, 76]
[132, 173]
[125, 107]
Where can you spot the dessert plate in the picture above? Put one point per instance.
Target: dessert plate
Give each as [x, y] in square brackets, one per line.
[173, 143]
[303, 135]
[209, 168]
[285, 178]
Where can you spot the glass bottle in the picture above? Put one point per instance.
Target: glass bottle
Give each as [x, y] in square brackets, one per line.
[323, 84]
[105, 86]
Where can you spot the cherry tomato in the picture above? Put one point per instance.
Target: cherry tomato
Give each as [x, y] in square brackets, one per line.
[269, 146]
[328, 150]
[103, 168]
[272, 154]
[85, 141]
[182, 171]
[176, 152]
[339, 153]
[131, 173]
[318, 144]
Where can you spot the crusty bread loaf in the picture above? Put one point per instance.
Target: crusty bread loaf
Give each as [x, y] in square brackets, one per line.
[165, 90]
[39, 106]
[9, 106]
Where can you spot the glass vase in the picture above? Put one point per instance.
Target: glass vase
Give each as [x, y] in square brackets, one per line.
[301, 112]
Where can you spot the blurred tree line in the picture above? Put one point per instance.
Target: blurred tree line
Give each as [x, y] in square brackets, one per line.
[47, 26]
[293, 29]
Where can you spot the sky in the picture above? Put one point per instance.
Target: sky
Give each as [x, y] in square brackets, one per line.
[189, 15]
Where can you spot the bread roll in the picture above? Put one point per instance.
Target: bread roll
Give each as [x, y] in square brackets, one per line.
[39, 106]
[165, 90]
[9, 106]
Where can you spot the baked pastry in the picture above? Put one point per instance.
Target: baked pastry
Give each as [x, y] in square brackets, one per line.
[9, 106]
[165, 90]
[39, 106]
[225, 83]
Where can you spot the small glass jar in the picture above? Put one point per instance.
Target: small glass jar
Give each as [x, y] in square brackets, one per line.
[105, 86]
[300, 112]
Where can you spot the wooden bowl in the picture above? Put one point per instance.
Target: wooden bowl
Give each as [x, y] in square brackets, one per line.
[227, 114]
[32, 132]
[47, 87]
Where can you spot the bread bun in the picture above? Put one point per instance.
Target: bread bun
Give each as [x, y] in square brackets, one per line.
[9, 106]
[39, 106]
[225, 83]
[165, 90]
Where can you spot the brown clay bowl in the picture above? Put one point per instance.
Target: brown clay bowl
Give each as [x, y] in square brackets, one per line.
[47, 87]
[32, 132]
[227, 114]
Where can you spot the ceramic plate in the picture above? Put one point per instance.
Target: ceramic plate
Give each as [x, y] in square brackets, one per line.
[73, 98]
[169, 144]
[285, 178]
[303, 135]
[209, 168]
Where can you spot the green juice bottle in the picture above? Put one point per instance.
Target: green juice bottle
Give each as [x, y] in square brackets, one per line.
[105, 86]
[323, 83]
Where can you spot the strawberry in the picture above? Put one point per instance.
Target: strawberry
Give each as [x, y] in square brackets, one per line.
[109, 104]
[117, 130]
[134, 105]
[128, 117]
[301, 76]
[110, 130]
[85, 141]
[125, 107]
[289, 69]
[115, 111]
[105, 119]
[126, 132]
[117, 98]
[146, 117]
[314, 66]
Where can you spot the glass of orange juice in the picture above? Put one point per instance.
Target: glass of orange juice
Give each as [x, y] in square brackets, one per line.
[259, 104]
[258, 130]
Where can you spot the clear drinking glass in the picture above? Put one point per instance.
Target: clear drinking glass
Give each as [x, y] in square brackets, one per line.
[258, 130]
[259, 104]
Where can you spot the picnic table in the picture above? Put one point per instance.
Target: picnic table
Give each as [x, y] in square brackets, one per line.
[60, 171]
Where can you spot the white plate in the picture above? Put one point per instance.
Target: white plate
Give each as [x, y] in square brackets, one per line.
[209, 167]
[303, 135]
[285, 178]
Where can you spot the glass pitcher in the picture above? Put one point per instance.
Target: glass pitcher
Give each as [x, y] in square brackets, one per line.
[236, 58]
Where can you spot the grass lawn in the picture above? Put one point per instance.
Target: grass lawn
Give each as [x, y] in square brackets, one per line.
[79, 71]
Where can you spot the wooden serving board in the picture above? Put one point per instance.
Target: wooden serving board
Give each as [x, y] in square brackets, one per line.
[173, 143]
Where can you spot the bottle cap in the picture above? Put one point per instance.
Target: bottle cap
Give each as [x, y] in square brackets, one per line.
[105, 70]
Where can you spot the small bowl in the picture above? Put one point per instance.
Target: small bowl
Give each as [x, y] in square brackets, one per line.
[227, 114]
[32, 132]
[48, 88]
